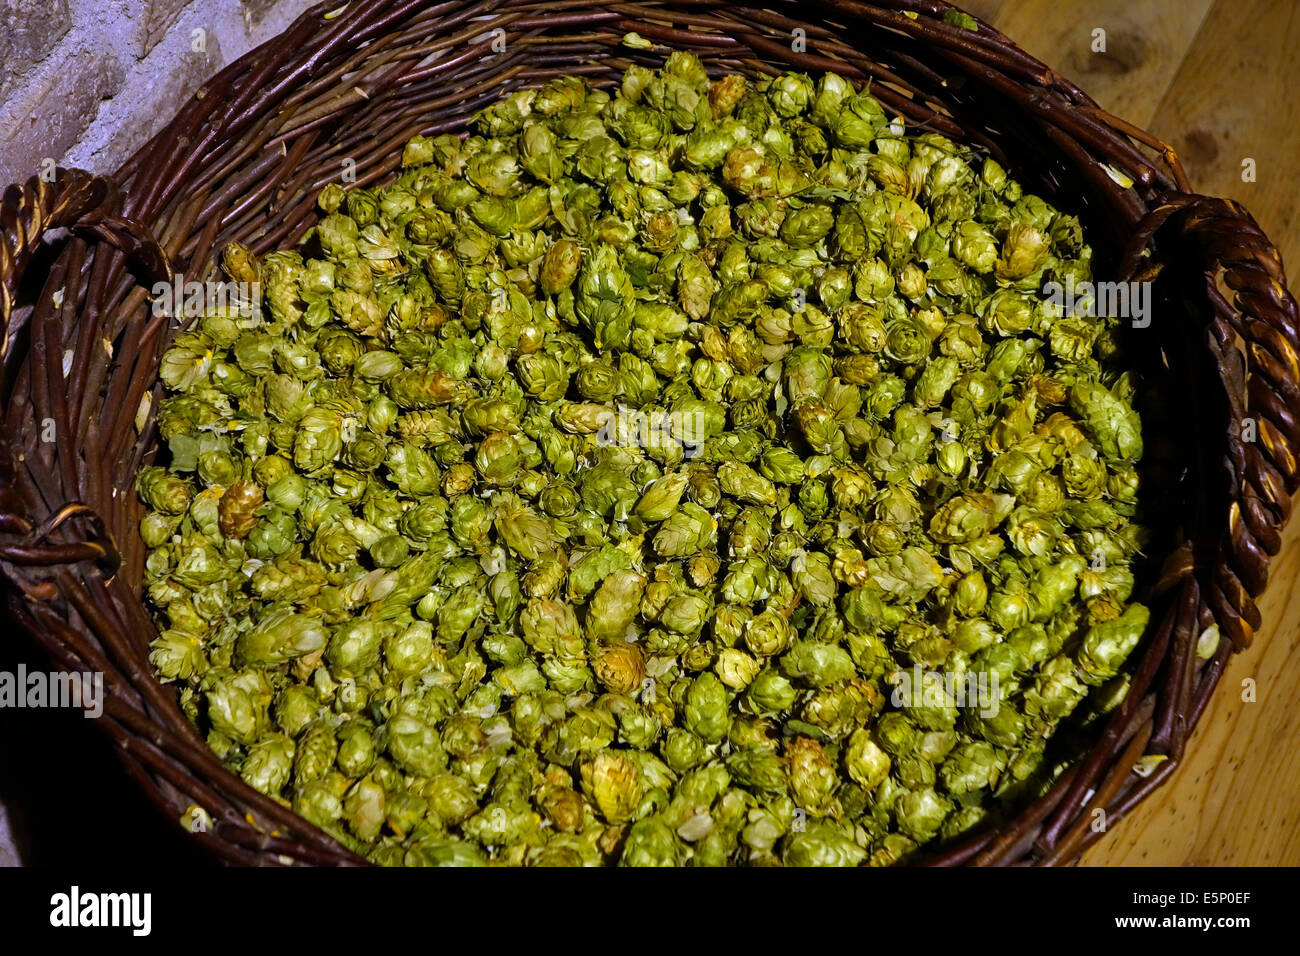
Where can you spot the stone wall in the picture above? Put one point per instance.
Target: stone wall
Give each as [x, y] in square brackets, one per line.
[87, 82]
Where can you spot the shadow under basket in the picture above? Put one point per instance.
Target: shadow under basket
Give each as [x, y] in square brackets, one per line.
[246, 157]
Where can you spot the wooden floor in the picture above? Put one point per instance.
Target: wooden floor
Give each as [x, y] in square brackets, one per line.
[1215, 79]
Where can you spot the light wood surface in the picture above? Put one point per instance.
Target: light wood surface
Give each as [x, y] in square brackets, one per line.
[1215, 80]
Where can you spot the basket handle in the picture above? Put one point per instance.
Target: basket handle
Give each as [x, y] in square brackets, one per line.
[77, 200]
[1221, 239]
[86, 204]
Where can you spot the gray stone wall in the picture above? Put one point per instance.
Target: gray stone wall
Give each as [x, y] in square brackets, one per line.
[87, 82]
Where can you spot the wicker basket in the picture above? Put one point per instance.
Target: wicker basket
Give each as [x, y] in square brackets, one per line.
[246, 157]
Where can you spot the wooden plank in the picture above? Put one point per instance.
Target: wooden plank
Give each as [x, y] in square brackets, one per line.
[1234, 97]
[1233, 801]
[986, 10]
[1145, 44]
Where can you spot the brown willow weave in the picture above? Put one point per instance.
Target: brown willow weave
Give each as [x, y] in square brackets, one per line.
[246, 157]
